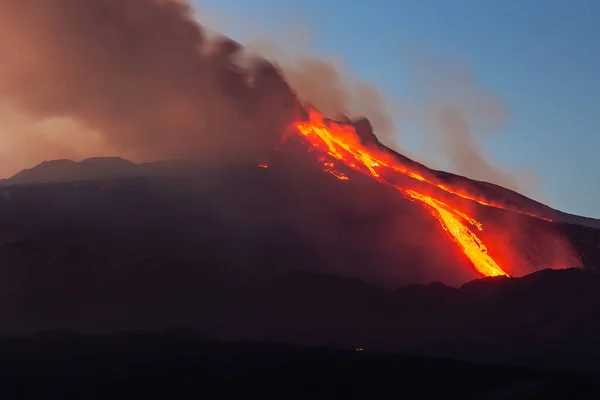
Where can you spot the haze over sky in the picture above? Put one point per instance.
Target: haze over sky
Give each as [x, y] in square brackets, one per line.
[540, 57]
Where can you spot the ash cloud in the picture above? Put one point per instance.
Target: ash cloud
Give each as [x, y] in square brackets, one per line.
[141, 73]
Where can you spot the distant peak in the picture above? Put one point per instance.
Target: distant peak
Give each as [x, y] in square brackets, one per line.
[95, 168]
[59, 161]
[106, 159]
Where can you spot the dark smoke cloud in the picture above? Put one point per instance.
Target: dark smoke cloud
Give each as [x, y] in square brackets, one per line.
[142, 73]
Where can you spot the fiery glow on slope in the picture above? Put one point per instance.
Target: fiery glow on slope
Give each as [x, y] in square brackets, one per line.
[341, 142]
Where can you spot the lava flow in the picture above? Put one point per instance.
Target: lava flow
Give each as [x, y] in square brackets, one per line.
[340, 142]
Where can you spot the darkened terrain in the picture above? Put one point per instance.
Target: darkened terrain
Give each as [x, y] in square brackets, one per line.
[288, 216]
[548, 318]
[286, 254]
[178, 362]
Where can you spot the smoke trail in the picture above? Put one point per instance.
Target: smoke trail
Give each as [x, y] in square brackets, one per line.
[142, 73]
[457, 113]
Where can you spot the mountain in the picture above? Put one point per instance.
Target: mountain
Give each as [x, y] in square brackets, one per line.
[104, 168]
[292, 254]
[268, 199]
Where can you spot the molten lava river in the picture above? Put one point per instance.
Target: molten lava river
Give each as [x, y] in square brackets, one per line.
[337, 142]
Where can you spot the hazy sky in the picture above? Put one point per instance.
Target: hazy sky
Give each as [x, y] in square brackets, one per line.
[540, 57]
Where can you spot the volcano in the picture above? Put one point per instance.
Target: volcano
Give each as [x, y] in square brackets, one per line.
[296, 253]
[316, 234]
[330, 194]
[235, 211]
[333, 240]
[358, 149]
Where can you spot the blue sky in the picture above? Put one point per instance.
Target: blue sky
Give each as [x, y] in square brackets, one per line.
[540, 57]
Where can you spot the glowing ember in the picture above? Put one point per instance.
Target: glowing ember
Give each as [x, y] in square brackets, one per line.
[340, 142]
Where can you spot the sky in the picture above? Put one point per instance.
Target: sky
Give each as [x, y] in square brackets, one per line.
[541, 58]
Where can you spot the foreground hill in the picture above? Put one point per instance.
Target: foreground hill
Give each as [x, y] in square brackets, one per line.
[179, 362]
[549, 318]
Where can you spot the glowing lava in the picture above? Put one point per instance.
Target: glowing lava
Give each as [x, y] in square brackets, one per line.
[340, 142]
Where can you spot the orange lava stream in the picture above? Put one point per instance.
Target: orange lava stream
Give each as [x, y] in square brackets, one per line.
[341, 143]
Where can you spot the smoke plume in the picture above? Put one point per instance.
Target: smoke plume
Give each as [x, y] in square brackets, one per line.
[141, 73]
[25, 141]
[330, 87]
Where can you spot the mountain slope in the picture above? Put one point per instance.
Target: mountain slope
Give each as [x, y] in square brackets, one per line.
[292, 196]
[97, 169]
[69, 171]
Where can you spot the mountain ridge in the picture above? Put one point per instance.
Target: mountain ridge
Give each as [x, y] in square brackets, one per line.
[104, 168]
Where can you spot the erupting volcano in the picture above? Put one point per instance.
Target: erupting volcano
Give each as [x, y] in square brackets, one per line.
[336, 142]
[211, 111]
